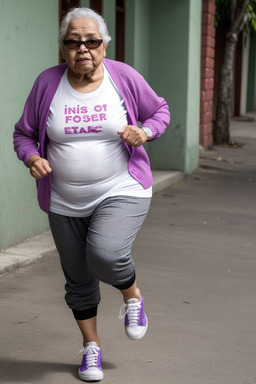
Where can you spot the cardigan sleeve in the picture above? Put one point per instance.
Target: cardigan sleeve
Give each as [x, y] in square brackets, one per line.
[29, 134]
[152, 110]
[142, 103]
[25, 136]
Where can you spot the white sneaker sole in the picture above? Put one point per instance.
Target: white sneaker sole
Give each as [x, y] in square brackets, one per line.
[87, 377]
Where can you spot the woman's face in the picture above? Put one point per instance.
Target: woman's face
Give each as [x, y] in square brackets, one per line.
[83, 61]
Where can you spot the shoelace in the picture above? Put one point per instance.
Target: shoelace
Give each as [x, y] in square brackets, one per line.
[132, 310]
[91, 356]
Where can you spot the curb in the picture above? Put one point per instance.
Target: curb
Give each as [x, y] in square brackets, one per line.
[163, 179]
[26, 252]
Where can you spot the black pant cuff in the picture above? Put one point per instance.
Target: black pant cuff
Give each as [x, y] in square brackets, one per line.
[126, 285]
[85, 314]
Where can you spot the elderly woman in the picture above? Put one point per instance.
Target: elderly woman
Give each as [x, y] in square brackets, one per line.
[79, 136]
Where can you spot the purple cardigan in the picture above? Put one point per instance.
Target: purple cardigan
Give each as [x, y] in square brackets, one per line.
[141, 102]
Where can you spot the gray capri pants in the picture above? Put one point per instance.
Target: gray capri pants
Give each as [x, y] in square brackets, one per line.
[98, 248]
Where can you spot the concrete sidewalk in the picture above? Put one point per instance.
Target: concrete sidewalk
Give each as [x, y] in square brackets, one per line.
[33, 249]
[195, 261]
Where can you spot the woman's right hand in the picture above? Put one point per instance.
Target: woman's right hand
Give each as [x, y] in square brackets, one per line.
[39, 167]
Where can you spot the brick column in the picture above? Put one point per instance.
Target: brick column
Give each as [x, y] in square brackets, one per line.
[207, 72]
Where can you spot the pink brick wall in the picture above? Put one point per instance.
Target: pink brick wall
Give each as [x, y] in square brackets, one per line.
[207, 72]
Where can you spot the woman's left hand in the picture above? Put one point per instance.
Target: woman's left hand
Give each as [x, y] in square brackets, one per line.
[133, 135]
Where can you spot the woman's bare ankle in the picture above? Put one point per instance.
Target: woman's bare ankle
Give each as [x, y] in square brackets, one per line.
[135, 294]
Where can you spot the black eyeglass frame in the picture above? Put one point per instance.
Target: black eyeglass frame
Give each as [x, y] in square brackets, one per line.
[78, 43]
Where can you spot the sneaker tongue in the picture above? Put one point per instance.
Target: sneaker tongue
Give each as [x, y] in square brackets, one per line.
[132, 301]
[91, 344]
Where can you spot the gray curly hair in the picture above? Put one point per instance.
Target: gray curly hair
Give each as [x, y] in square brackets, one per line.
[77, 13]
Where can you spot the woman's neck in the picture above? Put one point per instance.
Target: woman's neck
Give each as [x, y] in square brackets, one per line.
[86, 82]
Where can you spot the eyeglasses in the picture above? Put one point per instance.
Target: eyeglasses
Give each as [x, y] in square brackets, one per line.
[75, 44]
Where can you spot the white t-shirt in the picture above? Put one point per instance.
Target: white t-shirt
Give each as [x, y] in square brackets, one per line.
[89, 161]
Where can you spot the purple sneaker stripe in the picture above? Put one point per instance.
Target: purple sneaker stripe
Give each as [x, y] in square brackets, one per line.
[142, 320]
[84, 364]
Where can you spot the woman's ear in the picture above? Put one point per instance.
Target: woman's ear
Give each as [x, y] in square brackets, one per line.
[105, 52]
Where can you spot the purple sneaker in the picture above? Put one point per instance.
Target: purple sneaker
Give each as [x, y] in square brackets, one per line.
[136, 322]
[91, 369]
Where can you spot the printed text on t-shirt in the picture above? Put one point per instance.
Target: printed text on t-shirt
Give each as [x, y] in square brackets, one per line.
[80, 114]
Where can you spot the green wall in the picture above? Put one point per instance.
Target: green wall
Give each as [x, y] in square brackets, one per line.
[29, 45]
[191, 154]
[163, 42]
[175, 74]
[137, 35]
[85, 3]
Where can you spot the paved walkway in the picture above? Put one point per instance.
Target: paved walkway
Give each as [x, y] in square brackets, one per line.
[196, 266]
